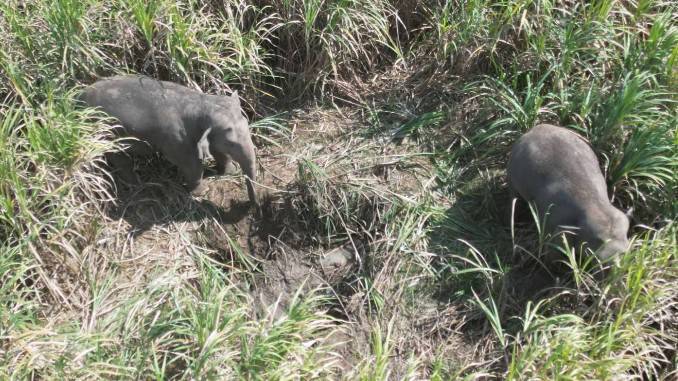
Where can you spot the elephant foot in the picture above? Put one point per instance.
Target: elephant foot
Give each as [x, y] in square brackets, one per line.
[227, 169]
[200, 190]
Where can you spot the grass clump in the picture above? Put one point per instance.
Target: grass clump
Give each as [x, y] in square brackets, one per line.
[625, 330]
[383, 129]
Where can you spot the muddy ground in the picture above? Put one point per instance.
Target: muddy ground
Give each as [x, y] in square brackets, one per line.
[155, 225]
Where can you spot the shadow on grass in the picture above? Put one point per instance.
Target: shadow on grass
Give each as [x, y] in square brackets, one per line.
[476, 252]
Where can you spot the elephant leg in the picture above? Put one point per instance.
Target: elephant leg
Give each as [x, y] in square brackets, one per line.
[123, 165]
[190, 166]
[203, 149]
[224, 164]
[243, 153]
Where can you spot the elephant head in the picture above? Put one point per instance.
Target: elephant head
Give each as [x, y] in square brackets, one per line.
[229, 137]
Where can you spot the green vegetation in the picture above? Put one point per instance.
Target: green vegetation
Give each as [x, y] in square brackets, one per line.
[382, 127]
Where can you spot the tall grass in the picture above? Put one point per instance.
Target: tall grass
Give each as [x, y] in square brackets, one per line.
[618, 334]
[239, 44]
[572, 66]
[82, 298]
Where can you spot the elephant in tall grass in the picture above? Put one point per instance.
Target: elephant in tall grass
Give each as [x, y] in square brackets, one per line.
[557, 170]
[179, 122]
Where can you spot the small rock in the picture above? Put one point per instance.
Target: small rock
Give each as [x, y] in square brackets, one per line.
[336, 258]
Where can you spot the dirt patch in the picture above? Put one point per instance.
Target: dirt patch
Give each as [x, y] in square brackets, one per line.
[326, 196]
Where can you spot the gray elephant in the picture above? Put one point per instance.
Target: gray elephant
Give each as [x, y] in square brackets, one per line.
[181, 123]
[557, 169]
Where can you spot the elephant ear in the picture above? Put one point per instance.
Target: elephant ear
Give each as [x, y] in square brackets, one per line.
[235, 98]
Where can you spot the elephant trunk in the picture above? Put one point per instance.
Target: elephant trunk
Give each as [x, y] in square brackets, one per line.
[251, 174]
[248, 163]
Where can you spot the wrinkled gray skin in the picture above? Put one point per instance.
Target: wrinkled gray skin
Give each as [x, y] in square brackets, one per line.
[183, 124]
[557, 169]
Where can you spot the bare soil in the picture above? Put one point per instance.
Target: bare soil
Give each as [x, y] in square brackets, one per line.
[155, 224]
